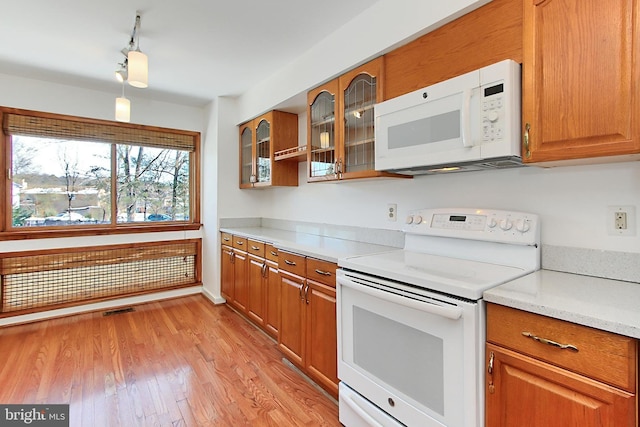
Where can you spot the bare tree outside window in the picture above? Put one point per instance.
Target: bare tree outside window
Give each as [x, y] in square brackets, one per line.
[58, 182]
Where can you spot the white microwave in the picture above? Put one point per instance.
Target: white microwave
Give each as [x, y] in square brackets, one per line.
[469, 122]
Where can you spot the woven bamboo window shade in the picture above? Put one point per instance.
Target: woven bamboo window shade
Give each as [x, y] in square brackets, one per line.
[39, 126]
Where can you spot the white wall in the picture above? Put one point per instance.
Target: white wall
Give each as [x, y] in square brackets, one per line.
[18, 92]
[378, 29]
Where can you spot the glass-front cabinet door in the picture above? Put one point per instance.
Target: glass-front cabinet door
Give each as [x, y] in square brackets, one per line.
[360, 89]
[359, 98]
[341, 125]
[263, 151]
[321, 133]
[247, 174]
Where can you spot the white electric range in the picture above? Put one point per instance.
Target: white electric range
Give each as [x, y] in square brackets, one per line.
[411, 321]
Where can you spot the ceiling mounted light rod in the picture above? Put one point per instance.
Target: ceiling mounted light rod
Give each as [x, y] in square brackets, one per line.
[137, 62]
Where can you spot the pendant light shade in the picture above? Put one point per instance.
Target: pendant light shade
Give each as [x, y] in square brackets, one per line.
[123, 109]
[138, 69]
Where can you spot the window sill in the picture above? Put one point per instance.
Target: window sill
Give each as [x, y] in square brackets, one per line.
[70, 231]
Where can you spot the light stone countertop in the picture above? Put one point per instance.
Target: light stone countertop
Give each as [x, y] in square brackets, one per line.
[605, 304]
[316, 246]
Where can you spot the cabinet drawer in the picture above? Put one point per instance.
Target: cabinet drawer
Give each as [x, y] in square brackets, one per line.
[322, 271]
[600, 355]
[255, 248]
[292, 263]
[271, 253]
[226, 239]
[240, 243]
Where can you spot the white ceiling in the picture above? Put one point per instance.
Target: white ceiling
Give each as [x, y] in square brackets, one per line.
[197, 49]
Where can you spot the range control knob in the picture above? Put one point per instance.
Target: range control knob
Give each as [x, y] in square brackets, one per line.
[505, 224]
[522, 225]
[417, 219]
[409, 220]
[491, 223]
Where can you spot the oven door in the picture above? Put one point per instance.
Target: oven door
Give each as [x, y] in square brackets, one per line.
[415, 355]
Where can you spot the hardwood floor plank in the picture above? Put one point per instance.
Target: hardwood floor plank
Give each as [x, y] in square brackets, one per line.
[181, 362]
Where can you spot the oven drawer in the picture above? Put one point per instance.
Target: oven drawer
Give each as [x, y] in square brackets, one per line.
[293, 263]
[322, 271]
[601, 355]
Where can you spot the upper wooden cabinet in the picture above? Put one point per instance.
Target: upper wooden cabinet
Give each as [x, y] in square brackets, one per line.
[260, 138]
[340, 127]
[581, 74]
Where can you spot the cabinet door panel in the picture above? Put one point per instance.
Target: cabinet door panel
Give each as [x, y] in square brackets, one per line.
[241, 286]
[272, 309]
[291, 341]
[580, 94]
[322, 359]
[256, 279]
[226, 274]
[247, 167]
[522, 391]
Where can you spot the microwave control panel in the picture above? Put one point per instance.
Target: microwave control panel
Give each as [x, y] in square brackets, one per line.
[493, 112]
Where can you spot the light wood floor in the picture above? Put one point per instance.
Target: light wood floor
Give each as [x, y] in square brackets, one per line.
[182, 362]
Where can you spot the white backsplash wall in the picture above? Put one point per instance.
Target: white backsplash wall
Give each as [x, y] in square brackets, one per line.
[572, 201]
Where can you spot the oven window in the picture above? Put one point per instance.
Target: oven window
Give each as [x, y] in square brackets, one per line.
[410, 360]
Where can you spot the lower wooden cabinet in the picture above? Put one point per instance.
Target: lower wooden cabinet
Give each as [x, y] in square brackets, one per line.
[547, 372]
[523, 391]
[292, 317]
[257, 289]
[291, 297]
[308, 330]
[227, 277]
[272, 305]
[321, 335]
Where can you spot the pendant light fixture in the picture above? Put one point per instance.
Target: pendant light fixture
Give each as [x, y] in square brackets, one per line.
[138, 69]
[138, 63]
[133, 70]
[123, 108]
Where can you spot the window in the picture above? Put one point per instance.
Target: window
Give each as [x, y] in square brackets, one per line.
[74, 173]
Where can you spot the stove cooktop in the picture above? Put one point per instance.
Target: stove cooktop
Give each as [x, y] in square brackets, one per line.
[460, 252]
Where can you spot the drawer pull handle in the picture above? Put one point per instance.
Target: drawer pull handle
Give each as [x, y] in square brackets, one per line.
[323, 273]
[239, 242]
[549, 342]
[274, 253]
[255, 248]
[286, 261]
[226, 239]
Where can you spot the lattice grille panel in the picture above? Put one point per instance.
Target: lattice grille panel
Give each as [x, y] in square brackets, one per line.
[53, 279]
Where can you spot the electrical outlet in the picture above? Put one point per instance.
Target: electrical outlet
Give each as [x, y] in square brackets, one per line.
[621, 220]
[392, 211]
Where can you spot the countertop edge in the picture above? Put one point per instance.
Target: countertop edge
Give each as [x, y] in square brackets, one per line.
[604, 304]
[326, 248]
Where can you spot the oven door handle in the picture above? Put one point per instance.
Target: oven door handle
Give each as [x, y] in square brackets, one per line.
[453, 313]
[361, 412]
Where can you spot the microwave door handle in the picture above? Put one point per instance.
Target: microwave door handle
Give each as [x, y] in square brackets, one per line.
[465, 118]
[453, 313]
